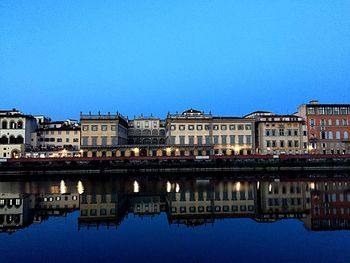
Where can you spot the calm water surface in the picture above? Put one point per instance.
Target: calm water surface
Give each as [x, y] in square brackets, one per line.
[153, 220]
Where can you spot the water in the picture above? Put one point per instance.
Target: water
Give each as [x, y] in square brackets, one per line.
[175, 220]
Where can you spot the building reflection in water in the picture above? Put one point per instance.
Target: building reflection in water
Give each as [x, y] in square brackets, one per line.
[322, 204]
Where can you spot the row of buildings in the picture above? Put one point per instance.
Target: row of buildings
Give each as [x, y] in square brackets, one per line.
[315, 128]
[320, 204]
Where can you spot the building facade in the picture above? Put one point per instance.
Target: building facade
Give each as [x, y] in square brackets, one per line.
[328, 127]
[196, 133]
[15, 133]
[279, 134]
[103, 135]
[146, 131]
[56, 136]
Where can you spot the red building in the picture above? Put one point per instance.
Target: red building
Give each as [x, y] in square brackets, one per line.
[327, 126]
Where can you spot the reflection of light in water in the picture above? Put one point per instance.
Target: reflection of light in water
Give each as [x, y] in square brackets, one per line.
[177, 188]
[168, 187]
[312, 185]
[270, 187]
[63, 187]
[136, 187]
[80, 187]
[258, 185]
[238, 186]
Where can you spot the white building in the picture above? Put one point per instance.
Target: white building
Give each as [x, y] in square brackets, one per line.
[15, 133]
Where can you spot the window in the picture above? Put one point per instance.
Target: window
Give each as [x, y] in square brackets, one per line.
[104, 127]
[248, 139]
[216, 139]
[296, 143]
[267, 132]
[330, 135]
[199, 140]
[59, 132]
[181, 127]
[75, 140]
[248, 127]
[345, 122]
[337, 135]
[329, 122]
[67, 139]
[337, 122]
[346, 135]
[85, 141]
[223, 139]
[312, 122]
[113, 127]
[67, 132]
[223, 127]
[290, 144]
[199, 127]
[182, 140]
[191, 127]
[240, 127]
[215, 127]
[94, 128]
[289, 132]
[281, 143]
[59, 139]
[273, 132]
[173, 127]
[104, 140]
[295, 132]
[232, 139]
[273, 143]
[281, 132]
[94, 141]
[207, 140]
[191, 140]
[207, 127]
[240, 139]
[114, 140]
[268, 143]
[232, 127]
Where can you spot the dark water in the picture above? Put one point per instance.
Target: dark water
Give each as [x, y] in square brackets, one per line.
[178, 220]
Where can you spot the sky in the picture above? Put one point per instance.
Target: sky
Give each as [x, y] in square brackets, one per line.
[60, 58]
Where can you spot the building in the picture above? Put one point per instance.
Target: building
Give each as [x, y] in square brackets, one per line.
[147, 134]
[279, 134]
[330, 205]
[328, 127]
[15, 133]
[284, 199]
[56, 136]
[195, 133]
[102, 135]
[192, 204]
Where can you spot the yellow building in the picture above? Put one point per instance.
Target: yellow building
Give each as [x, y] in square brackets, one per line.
[195, 133]
[102, 135]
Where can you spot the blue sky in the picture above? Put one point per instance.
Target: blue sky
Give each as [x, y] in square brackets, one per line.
[231, 57]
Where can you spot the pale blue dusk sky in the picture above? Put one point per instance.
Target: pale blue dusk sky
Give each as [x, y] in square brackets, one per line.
[231, 57]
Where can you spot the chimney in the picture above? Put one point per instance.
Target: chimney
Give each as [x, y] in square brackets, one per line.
[313, 102]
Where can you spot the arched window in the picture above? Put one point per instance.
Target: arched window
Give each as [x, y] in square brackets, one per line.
[155, 132]
[346, 135]
[4, 140]
[330, 135]
[20, 139]
[337, 135]
[329, 122]
[20, 125]
[12, 139]
[146, 132]
[337, 122]
[4, 125]
[12, 125]
[154, 141]
[162, 132]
